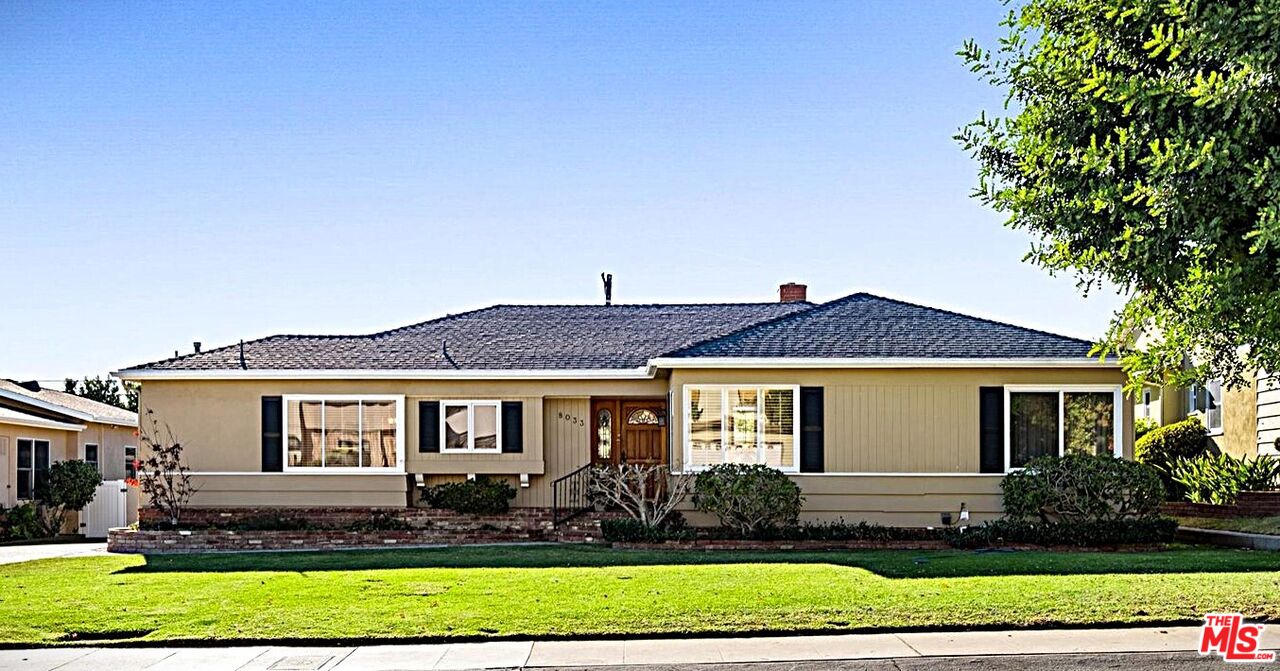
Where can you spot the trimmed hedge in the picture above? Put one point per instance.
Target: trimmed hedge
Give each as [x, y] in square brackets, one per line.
[1108, 533]
[748, 498]
[481, 496]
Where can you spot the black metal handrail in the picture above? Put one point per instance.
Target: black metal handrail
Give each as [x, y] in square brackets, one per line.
[570, 495]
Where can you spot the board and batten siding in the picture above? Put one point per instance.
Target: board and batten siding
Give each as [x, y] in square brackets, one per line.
[566, 446]
[914, 421]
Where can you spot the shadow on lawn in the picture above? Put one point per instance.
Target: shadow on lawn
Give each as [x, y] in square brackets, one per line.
[885, 563]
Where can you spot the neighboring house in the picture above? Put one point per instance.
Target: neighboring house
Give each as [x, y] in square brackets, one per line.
[881, 410]
[1243, 422]
[39, 427]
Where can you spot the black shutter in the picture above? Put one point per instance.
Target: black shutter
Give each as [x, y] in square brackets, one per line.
[991, 429]
[272, 434]
[428, 426]
[811, 442]
[512, 426]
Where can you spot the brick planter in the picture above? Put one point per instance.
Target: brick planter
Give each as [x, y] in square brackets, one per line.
[329, 528]
[1250, 504]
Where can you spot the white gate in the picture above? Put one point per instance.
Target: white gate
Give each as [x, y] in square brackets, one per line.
[108, 509]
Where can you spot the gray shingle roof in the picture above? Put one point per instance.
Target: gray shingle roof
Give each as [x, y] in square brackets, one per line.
[100, 412]
[867, 326]
[503, 337]
[585, 337]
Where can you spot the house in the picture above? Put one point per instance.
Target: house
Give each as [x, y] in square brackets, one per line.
[879, 409]
[1242, 422]
[39, 427]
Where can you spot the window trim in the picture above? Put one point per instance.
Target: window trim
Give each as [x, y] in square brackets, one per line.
[470, 405]
[48, 452]
[687, 465]
[338, 470]
[1117, 413]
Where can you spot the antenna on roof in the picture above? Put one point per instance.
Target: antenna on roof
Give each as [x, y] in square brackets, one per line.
[242, 364]
[607, 278]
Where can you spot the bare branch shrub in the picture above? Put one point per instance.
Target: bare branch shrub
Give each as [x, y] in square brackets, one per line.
[648, 493]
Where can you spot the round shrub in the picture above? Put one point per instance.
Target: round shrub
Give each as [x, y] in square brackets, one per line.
[69, 486]
[748, 499]
[481, 496]
[1082, 488]
[1164, 446]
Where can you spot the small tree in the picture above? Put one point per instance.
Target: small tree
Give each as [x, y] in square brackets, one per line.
[69, 487]
[748, 499]
[648, 493]
[163, 475]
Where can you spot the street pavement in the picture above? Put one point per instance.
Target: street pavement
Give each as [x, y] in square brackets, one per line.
[12, 554]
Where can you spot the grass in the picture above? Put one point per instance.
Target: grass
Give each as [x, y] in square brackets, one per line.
[548, 591]
[1253, 525]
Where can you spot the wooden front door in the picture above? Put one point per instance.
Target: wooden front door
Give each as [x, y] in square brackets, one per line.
[631, 431]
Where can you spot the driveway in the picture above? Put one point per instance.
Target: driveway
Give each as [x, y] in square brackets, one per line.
[12, 554]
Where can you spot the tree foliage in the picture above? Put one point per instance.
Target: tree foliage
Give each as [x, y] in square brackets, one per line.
[69, 487]
[1141, 147]
[104, 390]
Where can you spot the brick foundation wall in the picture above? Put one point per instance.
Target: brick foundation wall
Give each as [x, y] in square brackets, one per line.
[1250, 504]
[329, 529]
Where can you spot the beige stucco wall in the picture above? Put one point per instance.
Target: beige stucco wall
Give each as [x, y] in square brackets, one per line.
[60, 441]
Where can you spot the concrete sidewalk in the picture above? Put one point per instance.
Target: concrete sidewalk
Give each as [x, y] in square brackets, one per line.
[517, 654]
[13, 554]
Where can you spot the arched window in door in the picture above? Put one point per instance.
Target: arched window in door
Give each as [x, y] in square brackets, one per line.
[642, 416]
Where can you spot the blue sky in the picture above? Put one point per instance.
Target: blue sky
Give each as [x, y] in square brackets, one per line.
[172, 172]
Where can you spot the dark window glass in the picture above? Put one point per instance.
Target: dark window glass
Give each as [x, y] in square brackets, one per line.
[1033, 426]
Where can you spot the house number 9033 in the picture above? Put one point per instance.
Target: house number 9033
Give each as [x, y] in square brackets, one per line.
[576, 421]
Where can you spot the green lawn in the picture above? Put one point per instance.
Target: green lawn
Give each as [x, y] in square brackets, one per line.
[1253, 525]
[567, 591]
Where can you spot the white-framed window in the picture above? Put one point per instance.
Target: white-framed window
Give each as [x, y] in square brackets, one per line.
[340, 433]
[91, 455]
[1143, 410]
[742, 424]
[1206, 400]
[470, 426]
[33, 466]
[1054, 420]
[131, 462]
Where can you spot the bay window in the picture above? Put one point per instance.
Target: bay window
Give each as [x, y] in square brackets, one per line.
[741, 424]
[1052, 421]
[470, 426]
[344, 433]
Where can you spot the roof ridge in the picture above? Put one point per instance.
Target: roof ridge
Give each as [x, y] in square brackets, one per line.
[771, 320]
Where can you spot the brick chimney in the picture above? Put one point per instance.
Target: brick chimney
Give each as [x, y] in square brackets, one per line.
[793, 293]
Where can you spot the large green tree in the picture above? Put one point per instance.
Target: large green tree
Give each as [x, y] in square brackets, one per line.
[1140, 146]
[104, 390]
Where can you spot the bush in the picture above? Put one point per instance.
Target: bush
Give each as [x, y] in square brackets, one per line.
[1220, 478]
[21, 523]
[1098, 533]
[631, 530]
[480, 496]
[69, 487]
[1163, 446]
[1082, 488]
[748, 499]
[1144, 425]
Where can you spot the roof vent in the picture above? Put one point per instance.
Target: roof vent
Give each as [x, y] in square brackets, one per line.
[30, 385]
[793, 293]
[196, 345]
[607, 278]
